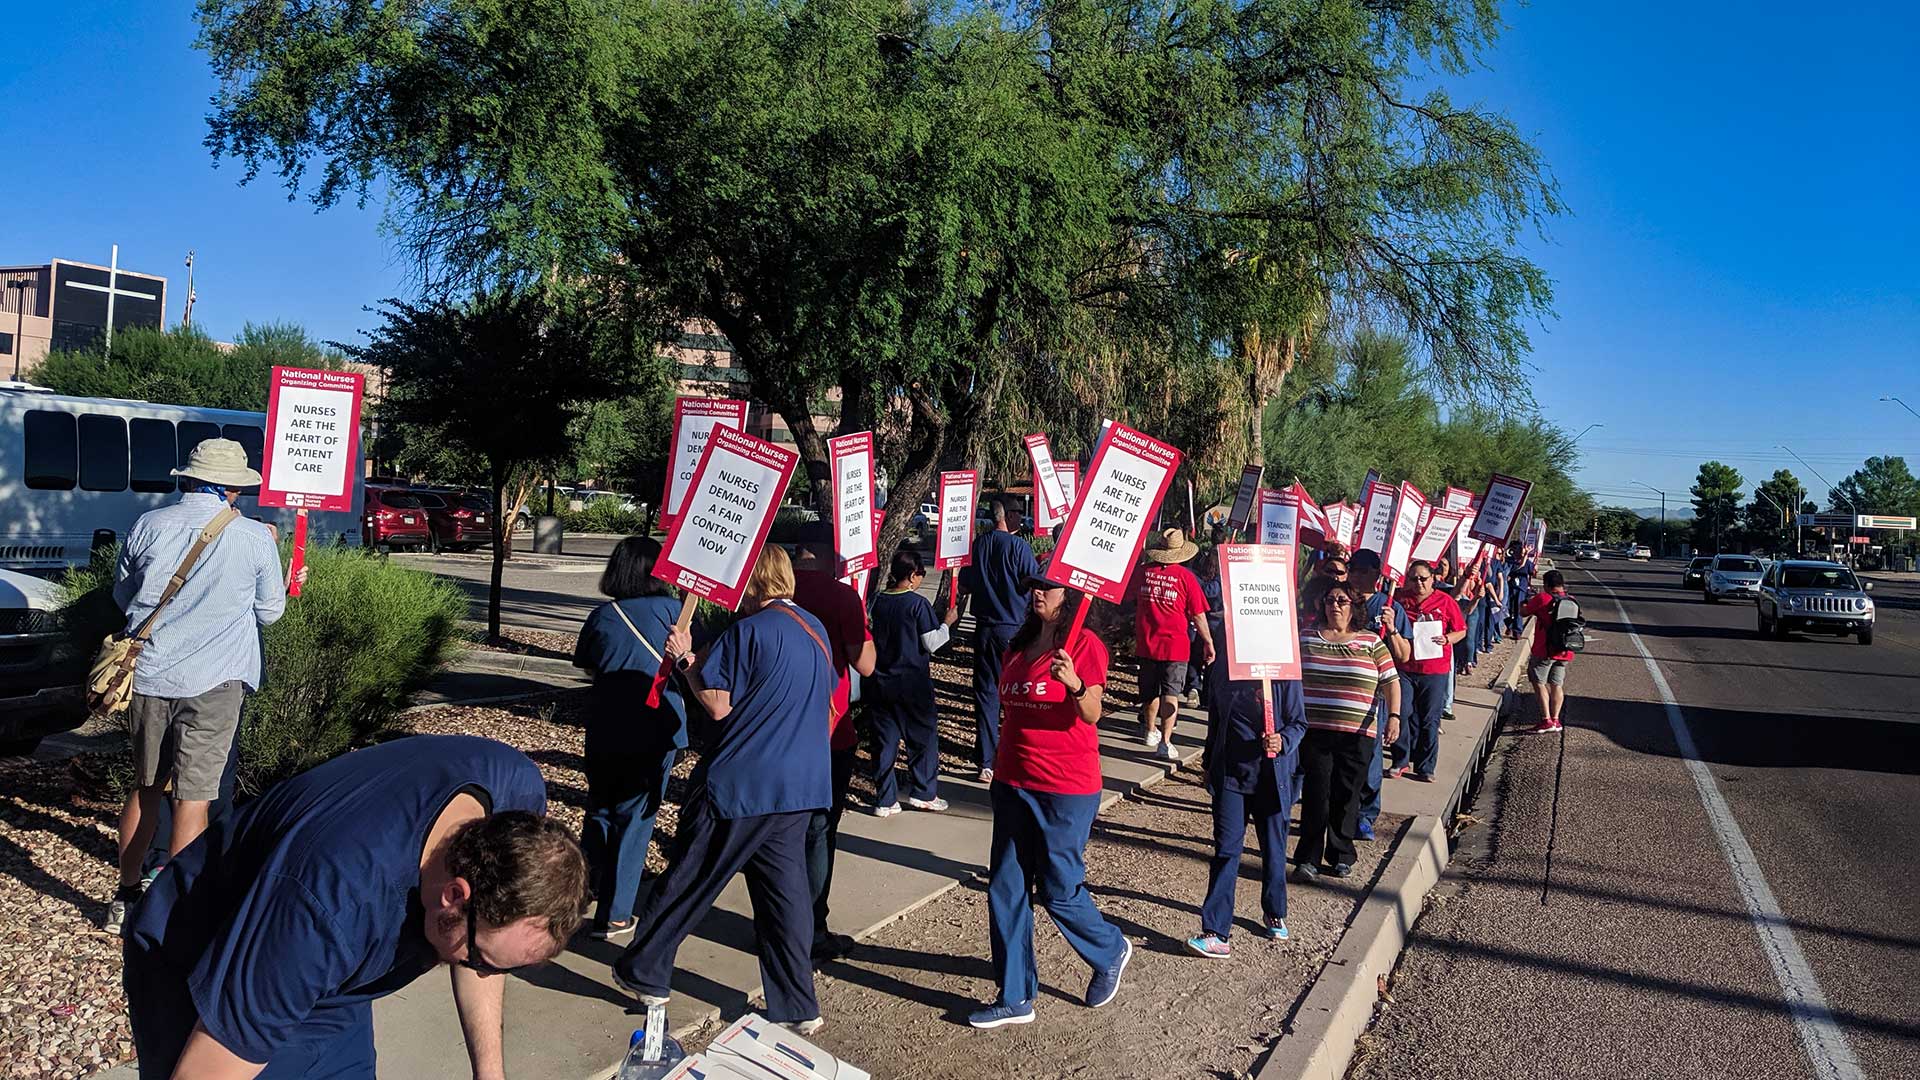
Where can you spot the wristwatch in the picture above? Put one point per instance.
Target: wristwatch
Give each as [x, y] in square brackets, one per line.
[684, 661]
[1080, 693]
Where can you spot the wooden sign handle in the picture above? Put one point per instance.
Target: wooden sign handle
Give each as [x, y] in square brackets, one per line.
[1266, 711]
[299, 560]
[687, 606]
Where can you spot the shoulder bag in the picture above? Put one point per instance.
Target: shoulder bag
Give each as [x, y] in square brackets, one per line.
[110, 680]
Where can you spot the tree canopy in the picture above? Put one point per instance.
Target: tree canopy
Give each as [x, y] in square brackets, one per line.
[1716, 501]
[184, 366]
[1881, 485]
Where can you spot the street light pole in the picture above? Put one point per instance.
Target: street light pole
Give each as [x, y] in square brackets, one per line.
[1590, 427]
[1784, 521]
[1902, 404]
[1663, 514]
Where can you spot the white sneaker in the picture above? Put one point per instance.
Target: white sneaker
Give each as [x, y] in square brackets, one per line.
[932, 806]
[986, 776]
[807, 1027]
[886, 811]
[1167, 752]
[116, 918]
[1153, 738]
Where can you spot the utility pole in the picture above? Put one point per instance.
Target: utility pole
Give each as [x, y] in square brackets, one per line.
[1663, 514]
[1784, 523]
[186, 316]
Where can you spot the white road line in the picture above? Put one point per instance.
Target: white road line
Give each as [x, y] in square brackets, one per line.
[1827, 1047]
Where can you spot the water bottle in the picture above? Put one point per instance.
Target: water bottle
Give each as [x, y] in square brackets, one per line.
[651, 1053]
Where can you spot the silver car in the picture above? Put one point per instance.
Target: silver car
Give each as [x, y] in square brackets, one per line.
[1733, 575]
[1814, 598]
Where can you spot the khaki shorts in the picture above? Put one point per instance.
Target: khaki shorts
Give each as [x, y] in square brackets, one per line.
[187, 739]
[1546, 672]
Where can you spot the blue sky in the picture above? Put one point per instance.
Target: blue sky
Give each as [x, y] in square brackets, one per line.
[1737, 270]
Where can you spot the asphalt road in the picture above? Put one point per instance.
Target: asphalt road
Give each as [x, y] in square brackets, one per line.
[1756, 914]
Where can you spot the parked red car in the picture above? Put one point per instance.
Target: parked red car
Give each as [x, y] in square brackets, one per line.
[394, 518]
[459, 522]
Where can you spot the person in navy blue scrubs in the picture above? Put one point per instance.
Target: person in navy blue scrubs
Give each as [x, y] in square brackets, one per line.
[1246, 784]
[630, 748]
[768, 682]
[899, 694]
[259, 949]
[1390, 621]
[992, 587]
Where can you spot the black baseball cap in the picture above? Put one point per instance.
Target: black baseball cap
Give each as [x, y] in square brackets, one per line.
[1364, 559]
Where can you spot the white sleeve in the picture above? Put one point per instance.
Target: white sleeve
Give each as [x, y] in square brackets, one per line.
[933, 639]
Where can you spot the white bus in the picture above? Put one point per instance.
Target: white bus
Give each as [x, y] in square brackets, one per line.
[75, 472]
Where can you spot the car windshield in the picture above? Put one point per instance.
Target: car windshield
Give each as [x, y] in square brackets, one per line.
[400, 501]
[474, 503]
[1738, 565]
[1820, 577]
[1698, 563]
[430, 501]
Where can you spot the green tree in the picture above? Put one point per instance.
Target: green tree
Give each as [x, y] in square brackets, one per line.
[184, 366]
[1881, 485]
[502, 378]
[1716, 502]
[1767, 519]
[973, 221]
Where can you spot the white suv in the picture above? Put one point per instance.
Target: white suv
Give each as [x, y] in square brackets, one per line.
[1733, 575]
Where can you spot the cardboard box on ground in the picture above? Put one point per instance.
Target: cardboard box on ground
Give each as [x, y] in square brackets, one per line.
[754, 1048]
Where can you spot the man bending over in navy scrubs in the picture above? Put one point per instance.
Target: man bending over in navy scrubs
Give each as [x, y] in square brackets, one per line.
[259, 949]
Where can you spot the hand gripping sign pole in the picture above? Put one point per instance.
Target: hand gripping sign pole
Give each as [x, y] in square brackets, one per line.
[1263, 628]
[313, 433]
[1102, 538]
[953, 546]
[727, 513]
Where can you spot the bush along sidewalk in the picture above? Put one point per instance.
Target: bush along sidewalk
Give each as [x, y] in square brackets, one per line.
[362, 637]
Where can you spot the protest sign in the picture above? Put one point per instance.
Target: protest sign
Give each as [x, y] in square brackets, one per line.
[1069, 474]
[694, 419]
[1376, 519]
[1465, 547]
[1050, 504]
[1279, 517]
[953, 544]
[1407, 509]
[312, 441]
[1426, 512]
[1313, 529]
[1536, 540]
[1108, 526]
[1345, 520]
[1499, 508]
[1263, 629]
[1456, 499]
[1438, 533]
[1243, 500]
[729, 504]
[854, 528]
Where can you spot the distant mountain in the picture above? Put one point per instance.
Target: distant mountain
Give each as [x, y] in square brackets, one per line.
[1674, 513]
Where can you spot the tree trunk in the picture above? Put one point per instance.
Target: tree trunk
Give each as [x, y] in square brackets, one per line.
[497, 473]
[914, 478]
[813, 451]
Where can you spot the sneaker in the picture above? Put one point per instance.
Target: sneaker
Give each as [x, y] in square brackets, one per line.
[1544, 727]
[806, 1027]
[613, 931]
[1276, 930]
[1167, 751]
[644, 996]
[1556, 729]
[1399, 772]
[996, 1015]
[888, 810]
[1106, 984]
[931, 806]
[121, 906]
[1193, 699]
[986, 776]
[1304, 874]
[1153, 738]
[1446, 714]
[1363, 831]
[1339, 870]
[1422, 778]
[1211, 946]
[832, 947]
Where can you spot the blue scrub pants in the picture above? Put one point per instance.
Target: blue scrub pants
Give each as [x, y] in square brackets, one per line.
[1429, 698]
[1038, 856]
[1376, 767]
[905, 714]
[708, 851]
[1231, 810]
[624, 792]
[1468, 648]
[989, 648]
[1400, 750]
[334, 1043]
[823, 840]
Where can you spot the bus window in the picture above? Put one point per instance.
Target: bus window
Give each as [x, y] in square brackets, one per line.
[103, 452]
[53, 450]
[191, 434]
[153, 454]
[251, 439]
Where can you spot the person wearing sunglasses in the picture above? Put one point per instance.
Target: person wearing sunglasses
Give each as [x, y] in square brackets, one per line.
[1437, 627]
[1344, 665]
[263, 945]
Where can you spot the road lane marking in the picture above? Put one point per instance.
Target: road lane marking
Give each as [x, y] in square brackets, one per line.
[1828, 1049]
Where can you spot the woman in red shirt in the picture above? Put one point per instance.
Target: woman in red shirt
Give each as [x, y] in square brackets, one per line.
[1046, 791]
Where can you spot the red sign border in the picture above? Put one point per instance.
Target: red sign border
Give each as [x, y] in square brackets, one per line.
[1232, 553]
[1145, 446]
[271, 496]
[728, 594]
[1526, 489]
[1407, 492]
[970, 477]
[719, 407]
[1044, 509]
[845, 446]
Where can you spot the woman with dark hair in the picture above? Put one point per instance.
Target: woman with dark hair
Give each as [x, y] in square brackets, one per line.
[1343, 665]
[1046, 791]
[899, 693]
[630, 748]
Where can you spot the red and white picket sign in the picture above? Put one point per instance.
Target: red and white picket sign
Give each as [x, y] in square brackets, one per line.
[855, 528]
[1103, 537]
[1456, 499]
[1050, 504]
[1245, 499]
[858, 581]
[728, 511]
[1465, 547]
[953, 544]
[1376, 519]
[694, 419]
[1345, 521]
[1438, 533]
[1499, 509]
[312, 443]
[1409, 505]
[1278, 517]
[1069, 474]
[1314, 529]
[1263, 627]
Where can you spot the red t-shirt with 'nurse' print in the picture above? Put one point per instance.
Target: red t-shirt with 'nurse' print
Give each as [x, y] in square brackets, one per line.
[1044, 745]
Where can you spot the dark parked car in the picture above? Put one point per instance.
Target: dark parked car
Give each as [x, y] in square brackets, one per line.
[1695, 575]
[394, 518]
[456, 522]
[41, 665]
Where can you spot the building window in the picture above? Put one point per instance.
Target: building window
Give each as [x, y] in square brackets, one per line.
[53, 450]
[191, 434]
[6, 342]
[75, 337]
[153, 455]
[251, 439]
[103, 452]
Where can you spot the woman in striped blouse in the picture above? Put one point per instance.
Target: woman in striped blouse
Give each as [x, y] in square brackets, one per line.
[1343, 666]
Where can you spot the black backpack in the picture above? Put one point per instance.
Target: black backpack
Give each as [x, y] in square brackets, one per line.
[1567, 631]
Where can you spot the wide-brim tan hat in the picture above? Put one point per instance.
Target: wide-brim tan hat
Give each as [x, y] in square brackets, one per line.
[1171, 546]
[219, 461]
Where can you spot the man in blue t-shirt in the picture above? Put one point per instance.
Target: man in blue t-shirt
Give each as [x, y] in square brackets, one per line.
[991, 586]
[1396, 629]
[260, 948]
